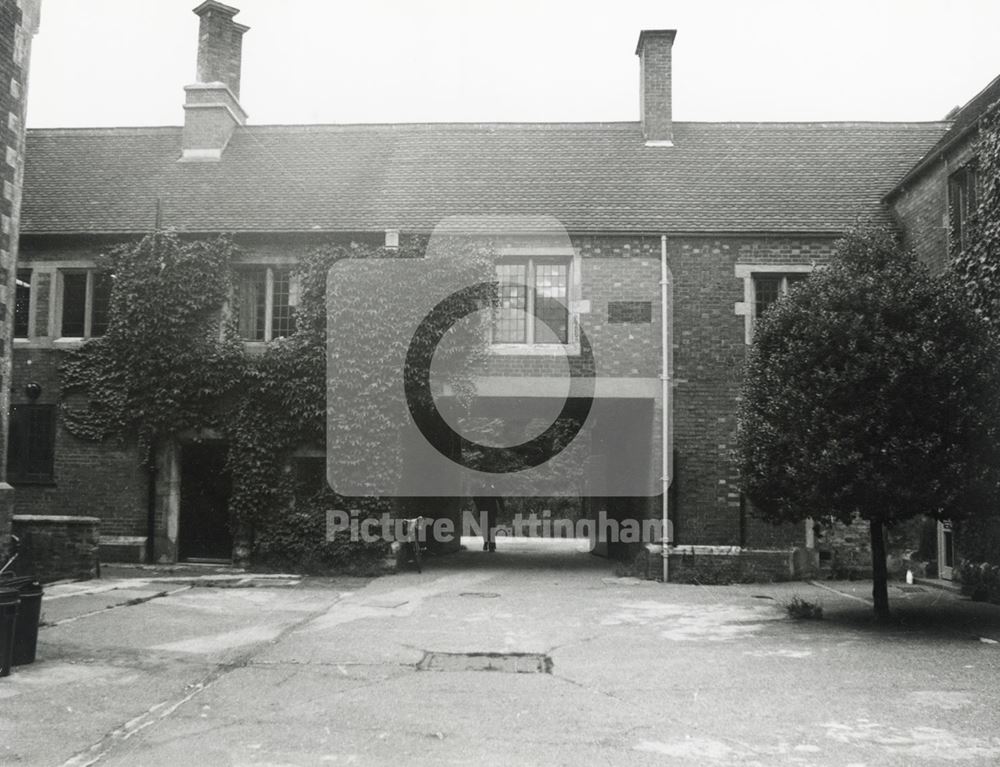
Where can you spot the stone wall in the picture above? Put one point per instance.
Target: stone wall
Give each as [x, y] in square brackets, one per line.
[720, 565]
[55, 548]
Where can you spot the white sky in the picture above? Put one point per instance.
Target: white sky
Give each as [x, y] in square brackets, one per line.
[124, 62]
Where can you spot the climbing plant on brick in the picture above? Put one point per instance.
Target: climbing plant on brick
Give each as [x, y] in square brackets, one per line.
[167, 360]
[283, 401]
[171, 362]
[977, 266]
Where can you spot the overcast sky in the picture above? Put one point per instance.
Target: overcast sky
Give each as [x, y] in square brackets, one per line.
[124, 62]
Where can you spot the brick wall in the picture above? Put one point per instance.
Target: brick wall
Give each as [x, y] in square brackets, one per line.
[708, 349]
[103, 480]
[921, 208]
[18, 24]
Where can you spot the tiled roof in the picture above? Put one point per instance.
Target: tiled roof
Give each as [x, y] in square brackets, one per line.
[593, 177]
[964, 121]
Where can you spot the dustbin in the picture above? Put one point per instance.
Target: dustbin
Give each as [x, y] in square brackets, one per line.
[28, 614]
[9, 600]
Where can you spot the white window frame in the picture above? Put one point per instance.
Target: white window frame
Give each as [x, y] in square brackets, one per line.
[532, 257]
[88, 307]
[293, 295]
[747, 272]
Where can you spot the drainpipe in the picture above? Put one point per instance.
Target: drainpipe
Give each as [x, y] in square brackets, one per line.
[665, 401]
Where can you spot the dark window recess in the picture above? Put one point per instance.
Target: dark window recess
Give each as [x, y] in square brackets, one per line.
[766, 292]
[252, 298]
[100, 304]
[962, 202]
[22, 303]
[74, 308]
[31, 449]
[630, 311]
[551, 287]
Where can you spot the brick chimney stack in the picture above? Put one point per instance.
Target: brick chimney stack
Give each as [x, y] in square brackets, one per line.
[654, 51]
[212, 109]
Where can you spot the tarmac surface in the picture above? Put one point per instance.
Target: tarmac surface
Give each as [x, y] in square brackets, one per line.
[535, 655]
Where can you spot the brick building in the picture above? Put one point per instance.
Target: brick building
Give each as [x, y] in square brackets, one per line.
[18, 24]
[738, 210]
[932, 204]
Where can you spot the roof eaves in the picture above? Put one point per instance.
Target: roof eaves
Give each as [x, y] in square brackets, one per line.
[977, 106]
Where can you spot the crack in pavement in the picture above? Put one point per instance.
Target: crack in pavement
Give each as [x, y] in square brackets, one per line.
[163, 709]
[126, 603]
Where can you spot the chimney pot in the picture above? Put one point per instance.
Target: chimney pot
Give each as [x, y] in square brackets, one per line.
[655, 49]
[212, 109]
[220, 45]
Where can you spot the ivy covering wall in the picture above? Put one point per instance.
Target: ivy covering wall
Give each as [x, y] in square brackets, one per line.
[171, 364]
[978, 268]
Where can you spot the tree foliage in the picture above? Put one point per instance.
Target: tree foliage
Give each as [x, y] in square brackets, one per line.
[871, 391]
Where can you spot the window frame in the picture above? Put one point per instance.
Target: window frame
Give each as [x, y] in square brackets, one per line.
[88, 307]
[963, 201]
[242, 272]
[783, 284]
[19, 279]
[532, 260]
[21, 426]
[748, 273]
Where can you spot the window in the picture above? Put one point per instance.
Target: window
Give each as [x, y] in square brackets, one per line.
[22, 303]
[962, 201]
[266, 299]
[30, 451]
[533, 302]
[86, 296]
[767, 288]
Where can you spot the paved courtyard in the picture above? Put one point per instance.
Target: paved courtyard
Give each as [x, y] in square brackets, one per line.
[535, 655]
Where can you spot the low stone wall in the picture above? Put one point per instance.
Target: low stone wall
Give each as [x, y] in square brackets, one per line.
[54, 548]
[721, 565]
[732, 564]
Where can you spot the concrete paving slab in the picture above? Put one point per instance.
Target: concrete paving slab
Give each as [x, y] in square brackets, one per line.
[632, 673]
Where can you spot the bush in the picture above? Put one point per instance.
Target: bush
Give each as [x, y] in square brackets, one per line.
[802, 609]
[980, 581]
[296, 540]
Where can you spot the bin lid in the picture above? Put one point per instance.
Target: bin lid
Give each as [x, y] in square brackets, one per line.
[9, 596]
[22, 582]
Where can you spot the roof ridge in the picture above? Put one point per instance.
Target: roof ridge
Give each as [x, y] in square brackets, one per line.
[107, 129]
[540, 126]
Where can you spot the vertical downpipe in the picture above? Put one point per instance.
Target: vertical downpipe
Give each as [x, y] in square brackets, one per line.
[665, 402]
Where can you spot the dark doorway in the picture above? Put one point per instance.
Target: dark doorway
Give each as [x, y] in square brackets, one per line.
[204, 520]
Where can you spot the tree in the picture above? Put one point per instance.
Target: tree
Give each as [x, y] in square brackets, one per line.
[871, 392]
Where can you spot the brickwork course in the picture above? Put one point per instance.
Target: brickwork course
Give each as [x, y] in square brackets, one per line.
[18, 24]
[732, 200]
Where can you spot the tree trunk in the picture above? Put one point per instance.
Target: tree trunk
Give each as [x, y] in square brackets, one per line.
[880, 576]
